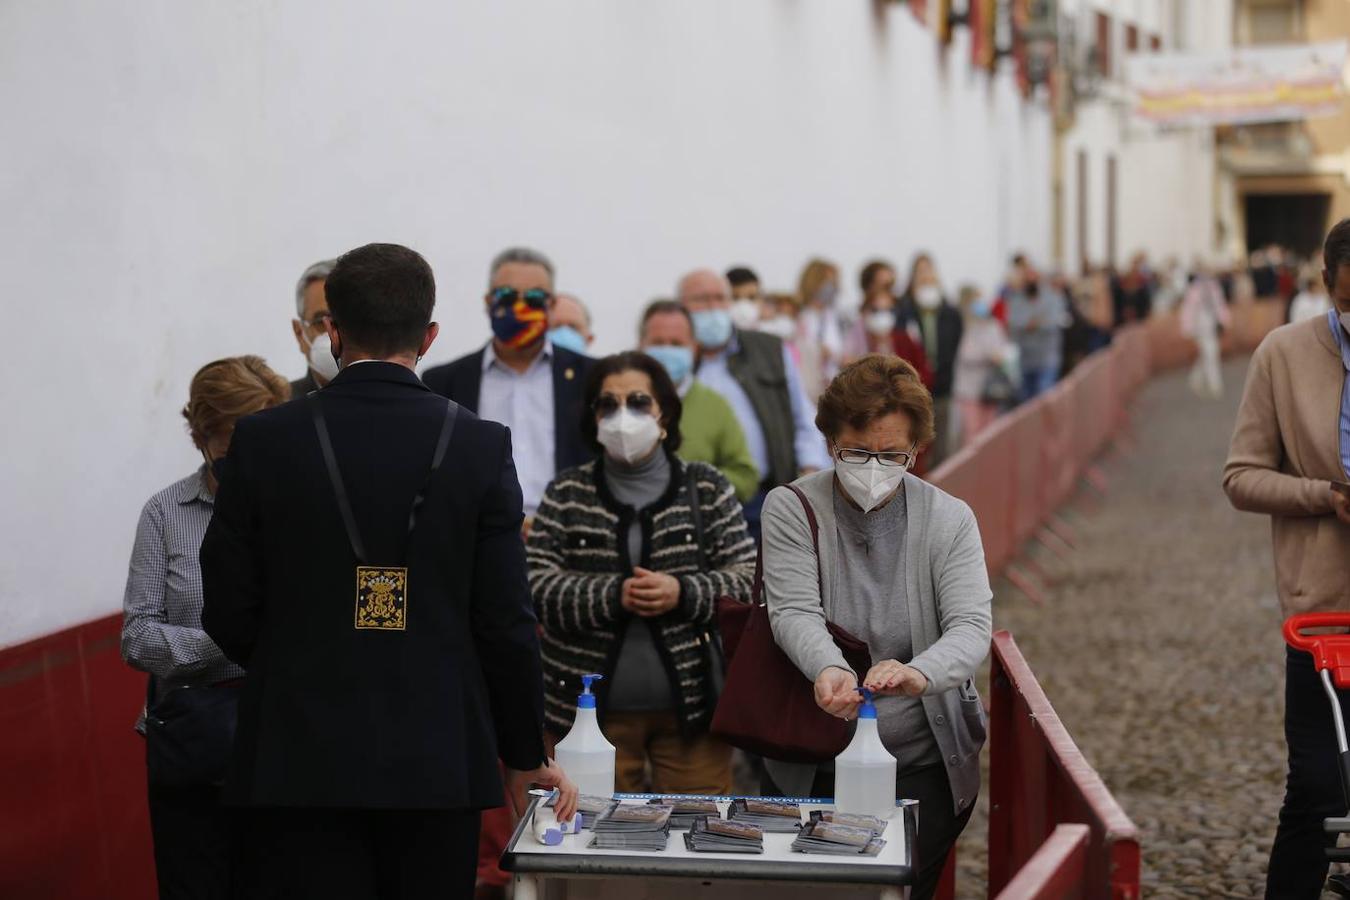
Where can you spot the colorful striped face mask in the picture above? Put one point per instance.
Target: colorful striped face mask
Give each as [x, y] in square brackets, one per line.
[519, 318]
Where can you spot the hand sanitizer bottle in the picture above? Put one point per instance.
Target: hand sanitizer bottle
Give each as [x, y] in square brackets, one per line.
[585, 755]
[864, 773]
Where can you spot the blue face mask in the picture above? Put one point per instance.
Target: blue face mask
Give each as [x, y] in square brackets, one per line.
[568, 338]
[679, 361]
[712, 328]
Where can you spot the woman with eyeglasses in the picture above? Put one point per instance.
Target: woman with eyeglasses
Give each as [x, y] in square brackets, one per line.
[627, 558]
[901, 567]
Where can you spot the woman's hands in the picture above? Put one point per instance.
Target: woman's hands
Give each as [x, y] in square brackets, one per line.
[650, 593]
[890, 677]
[837, 692]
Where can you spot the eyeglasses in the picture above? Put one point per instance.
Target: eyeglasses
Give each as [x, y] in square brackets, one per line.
[534, 297]
[856, 457]
[320, 320]
[608, 404]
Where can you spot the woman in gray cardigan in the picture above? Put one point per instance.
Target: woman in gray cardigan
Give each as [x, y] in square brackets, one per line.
[901, 566]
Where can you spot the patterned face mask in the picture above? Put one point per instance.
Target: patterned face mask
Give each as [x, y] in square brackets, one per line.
[519, 319]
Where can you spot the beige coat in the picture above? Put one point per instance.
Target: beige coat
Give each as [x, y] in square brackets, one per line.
[1285, 453]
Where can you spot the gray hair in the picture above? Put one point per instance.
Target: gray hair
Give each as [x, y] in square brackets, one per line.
[523, 255]
[585, 310]
[317, 272]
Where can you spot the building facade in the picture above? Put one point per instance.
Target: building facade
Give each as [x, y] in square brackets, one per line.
[1120, 186]
[1288, 182]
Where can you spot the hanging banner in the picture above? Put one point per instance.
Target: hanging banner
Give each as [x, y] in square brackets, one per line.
[982, 22]
[1241, 86]
[942, 21]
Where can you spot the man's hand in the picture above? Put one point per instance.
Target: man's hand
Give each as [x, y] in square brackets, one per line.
[1341, 504]
[650, 593]
[837, 692]
[890, 677]
[549, 775]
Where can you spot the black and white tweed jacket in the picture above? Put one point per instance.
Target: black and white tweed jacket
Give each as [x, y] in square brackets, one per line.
[578, 560]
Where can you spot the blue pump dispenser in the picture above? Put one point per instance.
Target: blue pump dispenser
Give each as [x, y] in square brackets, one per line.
[868, 710]
[586, 700]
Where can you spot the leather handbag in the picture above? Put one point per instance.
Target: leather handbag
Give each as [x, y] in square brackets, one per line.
[189, 733]
[768, 706]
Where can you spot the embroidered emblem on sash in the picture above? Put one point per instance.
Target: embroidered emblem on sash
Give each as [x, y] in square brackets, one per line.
[381, 597]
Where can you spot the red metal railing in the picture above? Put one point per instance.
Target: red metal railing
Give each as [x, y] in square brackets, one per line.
[1057, 871]
[1039, 780]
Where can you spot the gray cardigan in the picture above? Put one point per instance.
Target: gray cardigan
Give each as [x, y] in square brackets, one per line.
[949, 611]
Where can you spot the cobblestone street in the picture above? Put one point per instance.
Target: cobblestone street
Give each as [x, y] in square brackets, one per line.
[1159, 646]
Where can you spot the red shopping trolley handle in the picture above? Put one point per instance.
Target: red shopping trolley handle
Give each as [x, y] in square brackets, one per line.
[1329, 651]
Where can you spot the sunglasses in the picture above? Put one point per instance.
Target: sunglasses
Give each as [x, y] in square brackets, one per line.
[608, 404]
[535, 297]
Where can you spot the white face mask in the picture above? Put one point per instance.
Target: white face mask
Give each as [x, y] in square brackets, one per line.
[321, 357]
[745, 313]
[779, 327]
[629, 436]
[870, 483]
[929, 296]
[879, 323]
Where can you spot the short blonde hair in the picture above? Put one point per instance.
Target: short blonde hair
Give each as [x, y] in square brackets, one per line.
[224, 391]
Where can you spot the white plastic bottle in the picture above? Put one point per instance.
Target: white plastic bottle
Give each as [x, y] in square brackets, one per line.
[864, 773]
[585, 755]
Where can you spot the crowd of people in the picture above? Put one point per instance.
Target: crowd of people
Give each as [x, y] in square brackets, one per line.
[591, 516]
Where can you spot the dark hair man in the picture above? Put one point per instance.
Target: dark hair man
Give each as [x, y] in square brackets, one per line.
[377, 600]
[1291, 445]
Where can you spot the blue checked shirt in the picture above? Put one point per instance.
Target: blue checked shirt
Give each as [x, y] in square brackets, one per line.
[162, 608]
[1343, 342]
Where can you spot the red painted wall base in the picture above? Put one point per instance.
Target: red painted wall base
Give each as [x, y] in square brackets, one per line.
[73, 816]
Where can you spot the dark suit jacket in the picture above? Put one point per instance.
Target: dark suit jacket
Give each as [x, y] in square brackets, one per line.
[303, 385]
[950, 325]
[340, 717]
[462, 381]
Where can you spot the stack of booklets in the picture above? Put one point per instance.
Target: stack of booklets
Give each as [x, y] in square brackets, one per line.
[590, 806]
[771, 815]
[723, 836]
[632, 827]
[820, 836]
[855, 820]
[685, 810]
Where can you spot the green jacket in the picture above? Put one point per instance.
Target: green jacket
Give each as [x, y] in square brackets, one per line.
[711, 434]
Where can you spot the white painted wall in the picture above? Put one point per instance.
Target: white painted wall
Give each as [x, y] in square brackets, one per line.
[169, 168]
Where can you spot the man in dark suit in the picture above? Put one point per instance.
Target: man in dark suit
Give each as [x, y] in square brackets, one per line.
[520, 378]
[378, 602]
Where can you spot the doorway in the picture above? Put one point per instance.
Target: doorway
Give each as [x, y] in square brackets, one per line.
[1295, 221]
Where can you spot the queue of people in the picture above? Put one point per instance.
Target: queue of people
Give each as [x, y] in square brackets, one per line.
[366, 613]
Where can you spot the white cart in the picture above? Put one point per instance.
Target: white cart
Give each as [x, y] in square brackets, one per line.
[573, 871]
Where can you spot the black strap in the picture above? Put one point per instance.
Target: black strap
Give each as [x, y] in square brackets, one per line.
[340, 490]
[691, 488]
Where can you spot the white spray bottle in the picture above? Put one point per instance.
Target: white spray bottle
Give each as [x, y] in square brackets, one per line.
[864, 773]
[585, 755]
